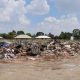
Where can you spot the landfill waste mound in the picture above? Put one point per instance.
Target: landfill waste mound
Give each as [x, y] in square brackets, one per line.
[50, 50]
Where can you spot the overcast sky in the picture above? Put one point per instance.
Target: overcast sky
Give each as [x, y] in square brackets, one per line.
[39, 15]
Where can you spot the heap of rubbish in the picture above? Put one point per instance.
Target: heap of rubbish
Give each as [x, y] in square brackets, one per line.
[52, 50]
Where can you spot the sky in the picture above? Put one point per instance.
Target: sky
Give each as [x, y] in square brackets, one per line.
[48, 16]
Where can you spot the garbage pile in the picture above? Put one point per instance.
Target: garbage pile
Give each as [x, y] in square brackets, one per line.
[51, 50]
[62, 49]
[15, 50]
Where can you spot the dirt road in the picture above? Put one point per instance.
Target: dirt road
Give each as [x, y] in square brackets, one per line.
[35, 70]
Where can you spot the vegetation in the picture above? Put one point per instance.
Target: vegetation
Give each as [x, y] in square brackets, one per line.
[63, 35]
[51, 35]
[76, 33]
[20, 32]
[39, 33]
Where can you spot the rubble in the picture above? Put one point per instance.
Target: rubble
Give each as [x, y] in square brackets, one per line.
[67, 48]
[51, 50]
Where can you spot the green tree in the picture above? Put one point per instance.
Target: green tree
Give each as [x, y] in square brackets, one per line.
[11, 35]
[65, 35]
[51, 35]
[4, 35]
[76, 33]
[39, 33]
[20, 32]
[7, 36]
[29, 34]
[14, 32]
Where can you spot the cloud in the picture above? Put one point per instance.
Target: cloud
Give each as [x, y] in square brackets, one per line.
[12, 12]
[56, 26]
[38, 7]
[68, 6]
[23, 20]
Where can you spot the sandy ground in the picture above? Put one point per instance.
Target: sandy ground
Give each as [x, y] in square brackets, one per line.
[67, 69]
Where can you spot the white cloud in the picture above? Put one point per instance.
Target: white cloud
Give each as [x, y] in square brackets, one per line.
[23, 20]
[6, 10]
[55, 26]
[68, 6]
[13, 11]
[38, 7]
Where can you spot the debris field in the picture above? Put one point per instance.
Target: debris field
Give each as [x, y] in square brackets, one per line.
[46, 51]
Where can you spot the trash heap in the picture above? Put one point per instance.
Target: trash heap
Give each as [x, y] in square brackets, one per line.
[62, 49]
[50, 50]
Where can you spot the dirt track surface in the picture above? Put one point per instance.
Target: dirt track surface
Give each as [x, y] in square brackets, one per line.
[35, 70]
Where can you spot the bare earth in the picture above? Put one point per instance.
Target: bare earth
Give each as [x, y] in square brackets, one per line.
[67, 69]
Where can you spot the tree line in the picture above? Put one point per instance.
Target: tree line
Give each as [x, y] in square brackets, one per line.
[63, 35]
